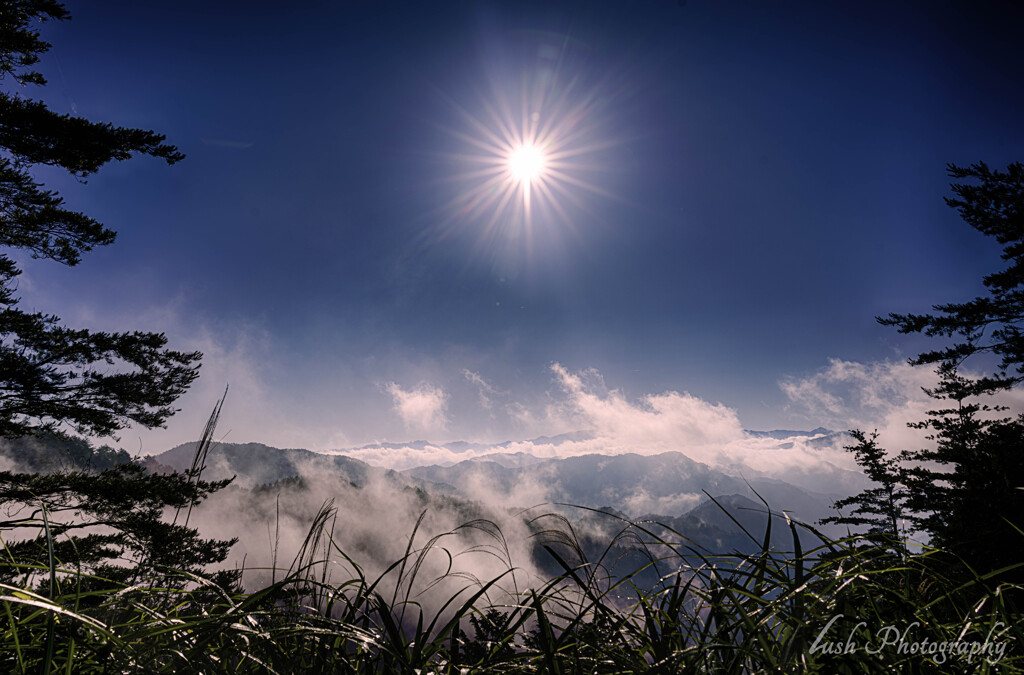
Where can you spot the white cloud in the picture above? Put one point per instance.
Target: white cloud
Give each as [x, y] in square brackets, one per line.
[669, 420]
[405, 457]
[486, 391]
[642, 502]
[883, 396]
[422, 408]
[847, 392]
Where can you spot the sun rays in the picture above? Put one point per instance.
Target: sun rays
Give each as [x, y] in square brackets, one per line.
[527, 170]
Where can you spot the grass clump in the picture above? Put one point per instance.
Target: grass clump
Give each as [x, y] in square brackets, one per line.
[854, 605]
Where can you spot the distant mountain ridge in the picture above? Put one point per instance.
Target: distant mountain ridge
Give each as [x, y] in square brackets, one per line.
[668, 488]
[816, 438]
[671, 483]
[256, 464]
[462, 447]
[667, 483]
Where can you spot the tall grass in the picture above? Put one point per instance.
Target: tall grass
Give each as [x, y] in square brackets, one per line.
[837, 607]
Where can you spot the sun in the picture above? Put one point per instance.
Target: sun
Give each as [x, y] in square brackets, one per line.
[526, 163]
[530, 162]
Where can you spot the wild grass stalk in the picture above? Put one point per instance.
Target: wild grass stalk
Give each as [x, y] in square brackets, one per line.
[769, 611]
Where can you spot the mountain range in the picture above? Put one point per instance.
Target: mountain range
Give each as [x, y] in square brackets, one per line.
[670, 488]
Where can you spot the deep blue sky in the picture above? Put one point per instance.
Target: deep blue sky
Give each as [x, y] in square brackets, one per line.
[758, 181]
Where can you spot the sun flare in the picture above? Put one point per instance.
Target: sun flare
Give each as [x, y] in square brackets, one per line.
[526, 163]
[529, 162]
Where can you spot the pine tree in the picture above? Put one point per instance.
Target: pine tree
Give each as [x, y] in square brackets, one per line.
[51, 375]
[967, 491]
[993, 205]
[881, 509]
[54, 378]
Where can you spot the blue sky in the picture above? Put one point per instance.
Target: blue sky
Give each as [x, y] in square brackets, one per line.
[743, 187]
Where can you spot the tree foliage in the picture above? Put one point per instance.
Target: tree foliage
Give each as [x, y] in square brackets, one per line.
[880, 508]
[993, 205]
[109, 523]
[49, 452]
[51, 375]
[105, 518]
[966, 492]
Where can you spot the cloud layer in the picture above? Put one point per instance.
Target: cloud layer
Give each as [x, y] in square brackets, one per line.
[605, 421]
